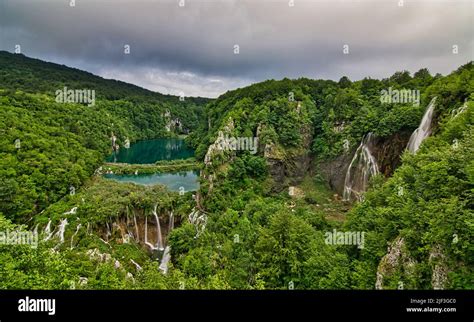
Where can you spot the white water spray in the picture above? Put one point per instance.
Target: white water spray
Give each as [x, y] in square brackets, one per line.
[165, 260]
[74, 235]
[152, 247]
[159, 241]
[62, 229]
[171, 223]
[47, 230]
[362, 167]
[423, 130]
[71, 212]
[136, 226]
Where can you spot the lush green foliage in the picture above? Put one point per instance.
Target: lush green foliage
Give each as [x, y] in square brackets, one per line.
[48, 148]
[256, 236]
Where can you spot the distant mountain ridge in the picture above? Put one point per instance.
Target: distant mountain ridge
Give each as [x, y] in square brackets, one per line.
[47, 77]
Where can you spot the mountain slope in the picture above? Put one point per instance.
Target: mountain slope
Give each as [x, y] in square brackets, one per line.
[269, 219]
[49, 147]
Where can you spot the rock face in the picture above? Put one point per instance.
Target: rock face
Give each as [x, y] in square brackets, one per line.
[171, 124]
[387, 152]
[289, 166]
[334, 171]
[215, 149]
[437, 260]
[289, 170]
[396, 263]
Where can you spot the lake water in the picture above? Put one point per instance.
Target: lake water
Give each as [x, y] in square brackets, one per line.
[150, 151]
[188, 180]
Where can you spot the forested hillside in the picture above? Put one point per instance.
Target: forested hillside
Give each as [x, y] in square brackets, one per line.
[302, 126]
[48, 148]
[259, 220]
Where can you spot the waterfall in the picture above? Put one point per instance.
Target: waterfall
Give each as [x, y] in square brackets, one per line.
[361, 168]
[136, 226]
[165, 260]
[193, 216]
[423, 130]
[201, 224]
[77, 230]
[199, 221]
[47, 230]
[159, 238]
[62, 228]
[138, 267]
[458, 111]
[146, 236]
[171, 223]
[71, 212]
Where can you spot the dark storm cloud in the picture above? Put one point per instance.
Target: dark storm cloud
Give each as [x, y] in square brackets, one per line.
[190, 49]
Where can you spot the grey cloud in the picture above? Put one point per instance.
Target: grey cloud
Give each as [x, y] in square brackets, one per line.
[169, 43]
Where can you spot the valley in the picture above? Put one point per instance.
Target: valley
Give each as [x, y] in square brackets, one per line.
[139, 190]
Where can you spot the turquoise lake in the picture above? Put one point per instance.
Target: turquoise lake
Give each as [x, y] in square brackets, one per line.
[188, 180]
[150, 151]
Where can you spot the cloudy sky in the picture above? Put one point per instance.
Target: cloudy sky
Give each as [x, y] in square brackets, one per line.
[191, 48]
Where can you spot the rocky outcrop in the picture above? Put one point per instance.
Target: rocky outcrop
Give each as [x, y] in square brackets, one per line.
[171, 124]
[289, 166]
[388, 151]
[396, 263]
[215, 148]
[214, 159]
[334, 171]
[437, 260]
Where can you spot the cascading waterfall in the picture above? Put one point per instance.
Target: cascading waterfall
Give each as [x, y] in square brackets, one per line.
[193, 216]
[362, 167]
[165, 260]
[199, 221]
[71, 212]
[47, 230]
[62, 229]
[136, 226]
[167, 253]
[458, 111]
[74, 235]
[171, 223]
[202, 222]
[152, 247]
[423, 130]
[138, 267]
[159, 241]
